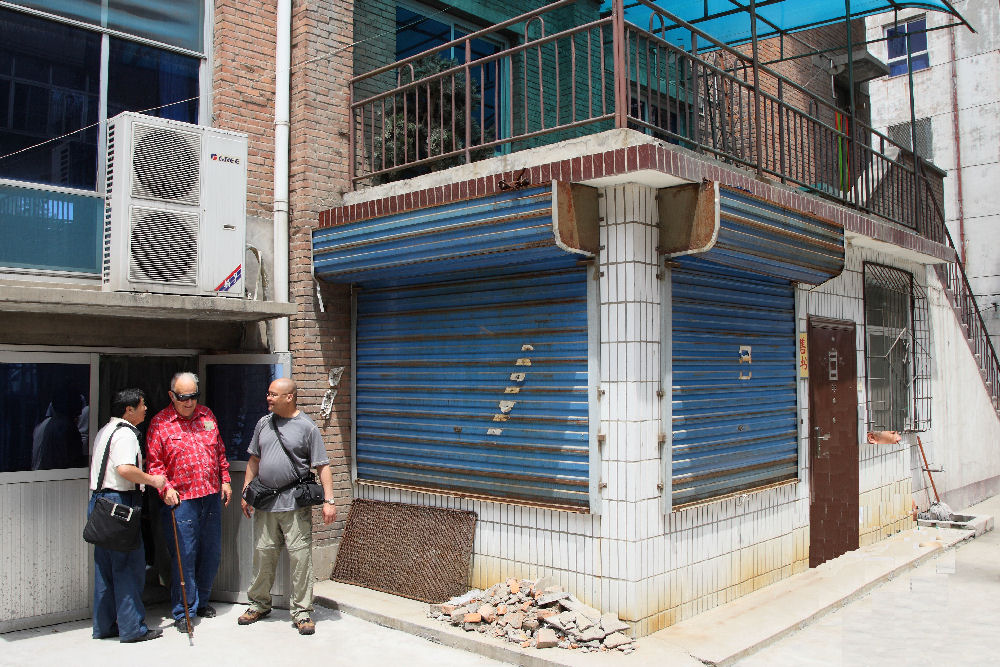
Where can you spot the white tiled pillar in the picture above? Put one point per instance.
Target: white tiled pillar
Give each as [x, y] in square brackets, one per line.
[630, 409]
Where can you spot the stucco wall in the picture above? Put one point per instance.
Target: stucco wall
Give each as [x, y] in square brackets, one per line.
[965, 436]
[961, 96]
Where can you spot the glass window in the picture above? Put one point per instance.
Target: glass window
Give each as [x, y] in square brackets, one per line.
[174, 22]
[51, 122]
[416, 33]
[237, 393]
[44, 94]
[154, 81]
[46, 416]
[912, 34]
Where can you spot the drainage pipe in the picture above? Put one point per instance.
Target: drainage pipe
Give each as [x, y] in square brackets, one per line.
[282, 65]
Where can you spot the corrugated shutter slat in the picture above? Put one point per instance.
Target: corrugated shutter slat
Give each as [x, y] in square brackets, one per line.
[731, 434]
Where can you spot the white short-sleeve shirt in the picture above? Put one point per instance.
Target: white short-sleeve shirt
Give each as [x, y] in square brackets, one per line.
[124, 451]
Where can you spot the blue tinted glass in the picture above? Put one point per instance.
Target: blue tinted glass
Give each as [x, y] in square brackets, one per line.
[897, 67]
[917, 36]
[50, 231]
[236, 393]
[153, 81]
[896, 41]
[45, 412]
[47, 93]
[176, 22]
[485, 76]
[416, 33]
[920, 62]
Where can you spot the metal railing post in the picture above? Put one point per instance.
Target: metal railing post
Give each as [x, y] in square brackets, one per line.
[468, 101]
[758, 140]
[618, 52]
[913, 138]
[351, 130]
[852, 126]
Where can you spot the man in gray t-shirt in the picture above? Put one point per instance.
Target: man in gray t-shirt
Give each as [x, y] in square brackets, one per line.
[281, 521]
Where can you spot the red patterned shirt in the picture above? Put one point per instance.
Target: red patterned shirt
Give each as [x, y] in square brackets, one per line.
[189, 452]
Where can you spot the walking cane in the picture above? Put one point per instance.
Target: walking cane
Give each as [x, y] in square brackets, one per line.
[180, 569]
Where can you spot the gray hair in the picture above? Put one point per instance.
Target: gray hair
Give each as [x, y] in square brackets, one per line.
[186, 375]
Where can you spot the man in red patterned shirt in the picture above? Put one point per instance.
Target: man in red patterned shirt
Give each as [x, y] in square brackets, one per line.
[184, 445]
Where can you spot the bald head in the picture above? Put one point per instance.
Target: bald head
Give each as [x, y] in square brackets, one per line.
[281, 397]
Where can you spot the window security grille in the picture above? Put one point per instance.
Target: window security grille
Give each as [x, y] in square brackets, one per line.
[897, 351]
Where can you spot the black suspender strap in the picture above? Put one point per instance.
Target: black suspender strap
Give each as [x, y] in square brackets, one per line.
[285, 449]
[107, 453]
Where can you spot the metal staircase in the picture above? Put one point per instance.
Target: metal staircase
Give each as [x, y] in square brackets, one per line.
[963, 301]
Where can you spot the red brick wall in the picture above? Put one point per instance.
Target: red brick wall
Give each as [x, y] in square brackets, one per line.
[321, 66]
[243, 89]
[243, 100]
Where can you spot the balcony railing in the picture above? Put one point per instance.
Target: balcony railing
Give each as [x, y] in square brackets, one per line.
[670, 79]
[50, 230]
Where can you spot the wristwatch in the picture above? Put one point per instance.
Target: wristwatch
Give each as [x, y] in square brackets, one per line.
[330, 502]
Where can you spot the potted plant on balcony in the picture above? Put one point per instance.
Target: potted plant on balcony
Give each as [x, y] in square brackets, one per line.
[426, 120]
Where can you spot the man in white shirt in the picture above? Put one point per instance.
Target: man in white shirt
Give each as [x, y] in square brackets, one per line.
[119, 576]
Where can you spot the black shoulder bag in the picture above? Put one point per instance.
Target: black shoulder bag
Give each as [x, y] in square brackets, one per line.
[113, 525]
[307, 491]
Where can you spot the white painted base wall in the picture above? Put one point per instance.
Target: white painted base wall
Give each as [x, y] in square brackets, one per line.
[45, 566]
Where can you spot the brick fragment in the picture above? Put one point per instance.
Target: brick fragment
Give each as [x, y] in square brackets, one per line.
[488, 613]
[546, 638]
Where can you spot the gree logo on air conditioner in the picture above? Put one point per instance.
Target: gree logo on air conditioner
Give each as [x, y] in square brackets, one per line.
[225, 158]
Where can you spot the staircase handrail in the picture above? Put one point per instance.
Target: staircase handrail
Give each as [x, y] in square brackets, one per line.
[964, 298]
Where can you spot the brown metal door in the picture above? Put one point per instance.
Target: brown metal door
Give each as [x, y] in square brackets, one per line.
[833, 440]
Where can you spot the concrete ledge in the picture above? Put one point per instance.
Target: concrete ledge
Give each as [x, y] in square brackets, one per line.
[144, 305]
[723, 635]
[720, 636]
[410, 616]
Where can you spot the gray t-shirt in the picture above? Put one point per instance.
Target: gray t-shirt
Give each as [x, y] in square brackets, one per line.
[302, 440]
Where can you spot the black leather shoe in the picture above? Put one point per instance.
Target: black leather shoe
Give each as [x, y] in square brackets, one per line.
[206, 611]
[151, 633]
[181, 625]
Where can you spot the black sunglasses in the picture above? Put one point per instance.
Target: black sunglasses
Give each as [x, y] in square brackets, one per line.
[186, 397]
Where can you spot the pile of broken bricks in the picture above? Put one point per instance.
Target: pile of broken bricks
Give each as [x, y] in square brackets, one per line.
[535, 614]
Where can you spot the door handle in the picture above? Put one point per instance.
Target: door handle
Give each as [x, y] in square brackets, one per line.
[819, 440]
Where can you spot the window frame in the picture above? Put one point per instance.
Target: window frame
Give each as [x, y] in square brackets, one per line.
[204, 80]
[904, 25]
[91, 359]
[468, 27]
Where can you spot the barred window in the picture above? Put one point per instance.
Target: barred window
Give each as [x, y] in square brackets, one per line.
[897, 351]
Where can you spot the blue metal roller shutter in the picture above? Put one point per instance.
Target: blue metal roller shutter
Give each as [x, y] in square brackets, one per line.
[734, 421]
[476, 386]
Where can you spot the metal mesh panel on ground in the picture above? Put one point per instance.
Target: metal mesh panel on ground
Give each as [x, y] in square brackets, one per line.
[423, 553]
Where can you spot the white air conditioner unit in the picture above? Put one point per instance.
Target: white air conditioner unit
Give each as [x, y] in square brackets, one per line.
[175, 210]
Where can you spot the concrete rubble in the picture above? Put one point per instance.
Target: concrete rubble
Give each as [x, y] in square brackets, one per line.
[535, 614]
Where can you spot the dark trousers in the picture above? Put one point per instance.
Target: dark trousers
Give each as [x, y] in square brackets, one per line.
[199, 532]
[119, 577]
